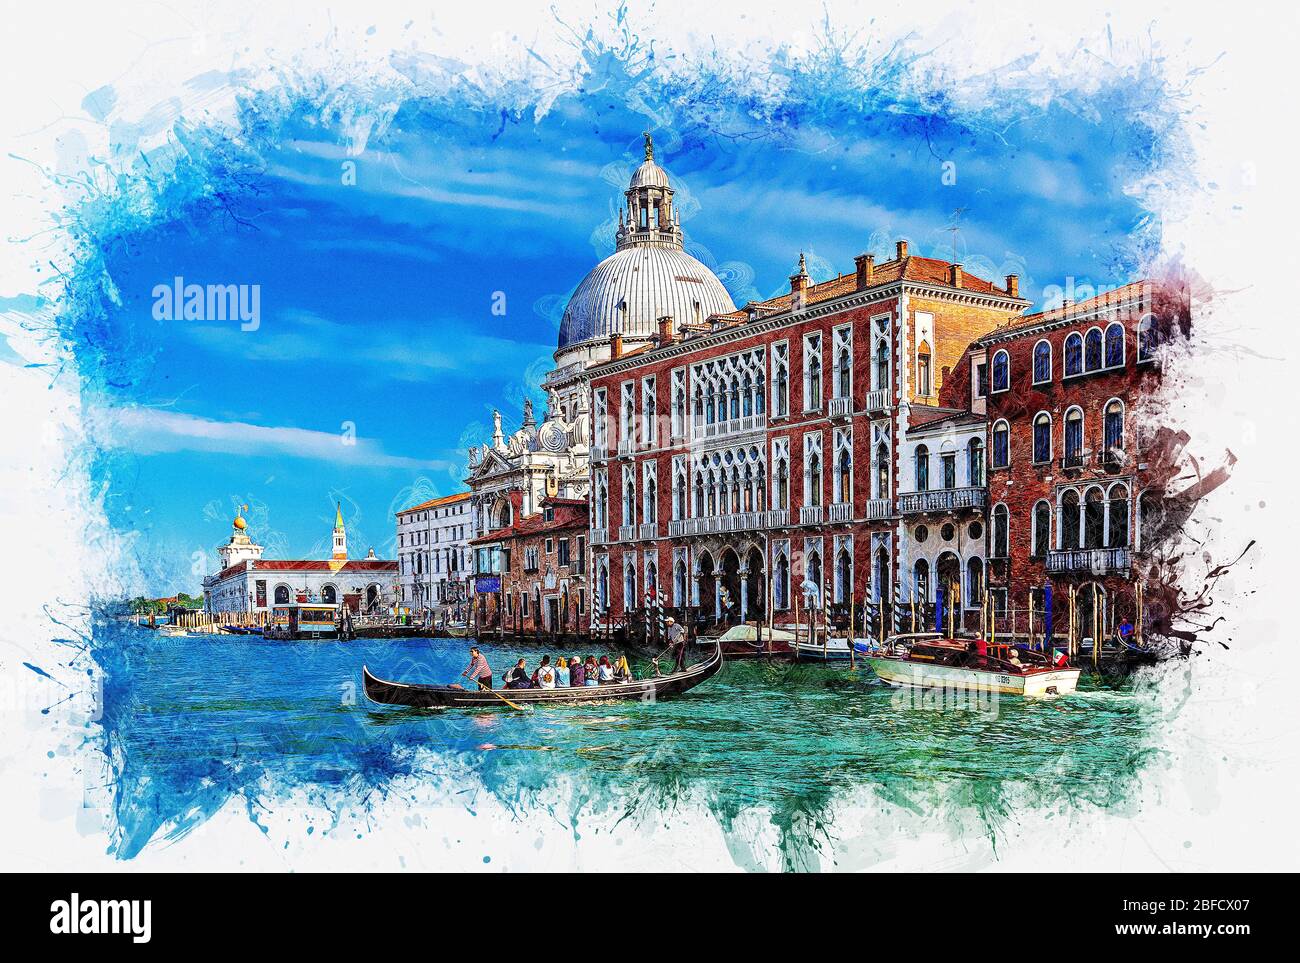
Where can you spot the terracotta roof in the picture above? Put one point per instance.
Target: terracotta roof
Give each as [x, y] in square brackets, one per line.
[928, 416]
[312, 565]
[574, 517]
[1121, 295]
[437, 502]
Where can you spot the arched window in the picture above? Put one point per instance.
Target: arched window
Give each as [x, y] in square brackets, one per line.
[1092, 350]
[880, 584]
[1094, 519]
[974, 582]
[1042, 363]
[845, 373]
[1074, 438]
[813, 573]
[629, 585]
[845, 475]
[781, 584]
[1068, 526]
[1001, 371]
[651, 579]
[975, 463]
[1001, 531]
[921, 580]
[922, 468]
[924, 376]
[1146, 335]
[679, 497]
[813, 484]
[843, 576]
[1113, 426]
[1042, 438]
[1117, 520]
[814, 399]
[699, 495]
[782, 485]
[882, 364]
[882, 471]
[1001, 445]
[602, 587]
[329, 594]
[650, 515]
[1074, 354]
[1042, 529]
[282, 595]
[1115, 345]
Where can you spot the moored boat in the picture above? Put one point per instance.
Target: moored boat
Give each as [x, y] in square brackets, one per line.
[831, 650]
[747, 641]
[933, 662]
[419, 696]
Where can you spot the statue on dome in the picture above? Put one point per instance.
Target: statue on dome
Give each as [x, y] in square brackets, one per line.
[649, 145]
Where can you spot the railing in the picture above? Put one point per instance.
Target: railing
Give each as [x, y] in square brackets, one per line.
[626, 446]
[941, 500]
[1098, 561]
[878, 400]
[1110, 459]
[879, 508]
[731, 426]
[777, 518]
[734, 522]
[810, 515]
[681, 526]
[599, 536]
[626, 533]
[841, 511]
[841, 407]
[1071, 460]
[647, 530]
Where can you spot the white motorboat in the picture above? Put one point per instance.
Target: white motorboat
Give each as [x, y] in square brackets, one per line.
[932, 662]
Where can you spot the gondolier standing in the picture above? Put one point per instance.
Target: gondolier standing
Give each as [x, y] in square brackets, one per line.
[677, 642]
[478, 669]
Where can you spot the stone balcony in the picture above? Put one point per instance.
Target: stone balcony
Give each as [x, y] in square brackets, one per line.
[1093, 561]
[841, 512]
[732, 426]
[878, 400]
[810, 515]
[647, 530]
[599, 536]
[626, 533]
[878, 508]
[941, 500]
[841, 407]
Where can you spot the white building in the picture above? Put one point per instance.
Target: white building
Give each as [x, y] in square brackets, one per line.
[249, 583]
[433, 554]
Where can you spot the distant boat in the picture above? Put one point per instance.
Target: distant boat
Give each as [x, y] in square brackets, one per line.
[443, 696]
[933, 662]
[303, 620]
[743, 642]
[834, 650]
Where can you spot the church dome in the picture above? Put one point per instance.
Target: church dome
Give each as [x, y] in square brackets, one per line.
[629, 291]
[649, 275]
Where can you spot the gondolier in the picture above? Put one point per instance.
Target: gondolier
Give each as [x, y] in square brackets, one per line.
[677, 643]
[479, 670]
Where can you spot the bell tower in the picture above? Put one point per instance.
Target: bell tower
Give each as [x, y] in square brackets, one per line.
[648, 217]
[340, 535]
[240, 548]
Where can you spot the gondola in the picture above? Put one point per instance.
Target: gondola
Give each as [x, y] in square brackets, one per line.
[440, 696]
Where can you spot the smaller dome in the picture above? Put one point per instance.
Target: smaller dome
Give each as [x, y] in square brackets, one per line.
[239, 523]
[649, 174]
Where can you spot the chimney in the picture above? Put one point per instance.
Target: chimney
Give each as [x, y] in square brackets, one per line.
[902, 250]
[1013, 285]
[866, 265]
[665, 330]
[799, 282]
[954, 275]
[615, 347]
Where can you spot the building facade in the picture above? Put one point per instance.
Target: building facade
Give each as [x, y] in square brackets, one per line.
[434, 559]
[249, 583]
[768, 440]
[531, 574]
[1074, 478]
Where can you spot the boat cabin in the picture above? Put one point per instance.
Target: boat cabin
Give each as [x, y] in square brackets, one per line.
[304, 620]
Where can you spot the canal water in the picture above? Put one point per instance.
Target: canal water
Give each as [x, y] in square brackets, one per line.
[191, 721]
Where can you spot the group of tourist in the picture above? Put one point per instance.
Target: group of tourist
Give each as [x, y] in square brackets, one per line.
[561, 674]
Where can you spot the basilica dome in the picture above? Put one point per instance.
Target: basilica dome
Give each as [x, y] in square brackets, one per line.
[649, 275]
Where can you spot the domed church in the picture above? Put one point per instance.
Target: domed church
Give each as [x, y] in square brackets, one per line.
[621, 301]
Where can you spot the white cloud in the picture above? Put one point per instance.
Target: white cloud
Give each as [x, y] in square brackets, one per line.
[157, 430]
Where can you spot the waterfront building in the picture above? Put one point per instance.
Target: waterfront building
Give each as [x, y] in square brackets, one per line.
[247, 582]
[768, 440]
[531, 573]
[1076, 474]
[433, 555]
[648, 275]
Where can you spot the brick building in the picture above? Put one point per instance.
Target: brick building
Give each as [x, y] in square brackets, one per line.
[530, 574]
[768, 439]
[1071, 475]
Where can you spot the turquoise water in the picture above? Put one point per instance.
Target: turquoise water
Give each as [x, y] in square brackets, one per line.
[192, 721]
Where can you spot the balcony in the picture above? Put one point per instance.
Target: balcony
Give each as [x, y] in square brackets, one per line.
[1072, 460]
[941, 500]
[841, 407]
[647, 531]
[626, 533]
[626, 446]
[878, 400]
[810, 515]
[777, 518]
[1094, 561]
[842, 512]
[1111, 459]
[681, 526]
[732, 426]
[599, 536]
[878, 508]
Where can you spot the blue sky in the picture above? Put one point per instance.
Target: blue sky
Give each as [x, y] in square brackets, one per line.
[376, 297]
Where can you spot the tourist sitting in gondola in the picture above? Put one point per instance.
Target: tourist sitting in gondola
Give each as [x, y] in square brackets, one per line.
[517, 678]
[562, 677]
[606, 671]
[622, 671]
[544, 677]
[591, 672]
[577, 673]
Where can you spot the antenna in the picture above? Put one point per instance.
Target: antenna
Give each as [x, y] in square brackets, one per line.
[956, 216]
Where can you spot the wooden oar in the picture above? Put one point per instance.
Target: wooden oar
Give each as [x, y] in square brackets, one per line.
[512, 705]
